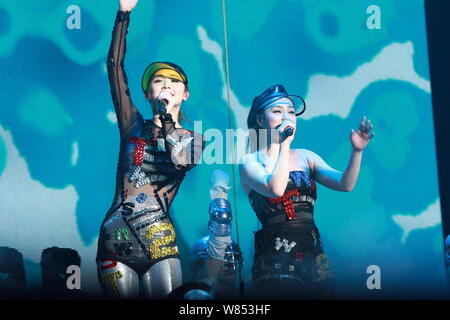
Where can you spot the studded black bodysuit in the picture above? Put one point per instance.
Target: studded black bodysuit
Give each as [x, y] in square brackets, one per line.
[153, 162]
[288, 249]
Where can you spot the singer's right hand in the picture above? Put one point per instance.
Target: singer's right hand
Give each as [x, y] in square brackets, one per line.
[281, 129]
[127, 5]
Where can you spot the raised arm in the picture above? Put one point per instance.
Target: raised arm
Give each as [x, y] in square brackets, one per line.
[323, 173]
[126, 112]
[334, 179]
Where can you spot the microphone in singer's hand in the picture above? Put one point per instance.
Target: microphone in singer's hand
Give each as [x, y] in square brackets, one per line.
[163, 101]
[162, 106]
[288, 131]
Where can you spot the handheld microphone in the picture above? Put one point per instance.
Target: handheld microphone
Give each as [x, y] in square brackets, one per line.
[288, 131]
[162, 102]
[162, 107]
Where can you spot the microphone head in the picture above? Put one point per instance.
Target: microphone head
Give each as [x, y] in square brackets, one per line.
[163, 100]
[164, 96]
[161, 107]
[288, 131]
[162, 110]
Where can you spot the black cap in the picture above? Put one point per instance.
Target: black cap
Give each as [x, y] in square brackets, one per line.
[269, 96]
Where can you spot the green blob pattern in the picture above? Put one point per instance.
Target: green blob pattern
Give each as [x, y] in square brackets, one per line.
[352, 33]
[45, 20]
[395, 117]
[244, 19]
[42, 111]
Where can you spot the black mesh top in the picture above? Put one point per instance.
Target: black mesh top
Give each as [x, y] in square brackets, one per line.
[148, 162]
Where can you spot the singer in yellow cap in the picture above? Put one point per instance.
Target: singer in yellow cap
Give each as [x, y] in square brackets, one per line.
[137, 250]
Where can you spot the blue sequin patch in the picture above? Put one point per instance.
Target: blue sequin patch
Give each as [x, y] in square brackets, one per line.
[298, 176]
[141, 197]
[307, 179]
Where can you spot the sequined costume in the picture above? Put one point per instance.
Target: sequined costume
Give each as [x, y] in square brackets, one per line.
[137, 233]
[289, 261]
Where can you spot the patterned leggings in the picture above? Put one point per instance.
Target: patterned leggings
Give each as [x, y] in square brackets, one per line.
[120, 281]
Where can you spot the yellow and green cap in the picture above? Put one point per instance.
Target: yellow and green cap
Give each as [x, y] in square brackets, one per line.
[165, 69]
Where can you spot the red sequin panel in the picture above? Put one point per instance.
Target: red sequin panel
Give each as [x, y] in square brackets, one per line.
[107, 264]
[138, 155]
[313, 187]
[286, 199]
[299, 256]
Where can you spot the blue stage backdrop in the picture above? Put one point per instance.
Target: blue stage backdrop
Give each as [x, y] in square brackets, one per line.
[59, 139]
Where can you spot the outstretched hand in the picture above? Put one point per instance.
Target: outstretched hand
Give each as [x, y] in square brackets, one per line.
[360, 139]
[127, 5]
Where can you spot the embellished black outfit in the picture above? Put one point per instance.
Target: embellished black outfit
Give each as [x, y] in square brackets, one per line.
[289, 261]
[153, 161]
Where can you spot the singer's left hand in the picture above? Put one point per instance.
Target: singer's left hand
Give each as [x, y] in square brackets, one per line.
[360, 139]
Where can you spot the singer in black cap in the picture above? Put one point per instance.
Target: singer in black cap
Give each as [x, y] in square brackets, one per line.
[137, 246]
[289, 261]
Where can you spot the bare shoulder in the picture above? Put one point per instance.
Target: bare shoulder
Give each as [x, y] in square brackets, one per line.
[306, 158]
[304, 154]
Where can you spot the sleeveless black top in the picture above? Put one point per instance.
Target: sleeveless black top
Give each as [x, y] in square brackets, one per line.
[289, 247]
[297, 202]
